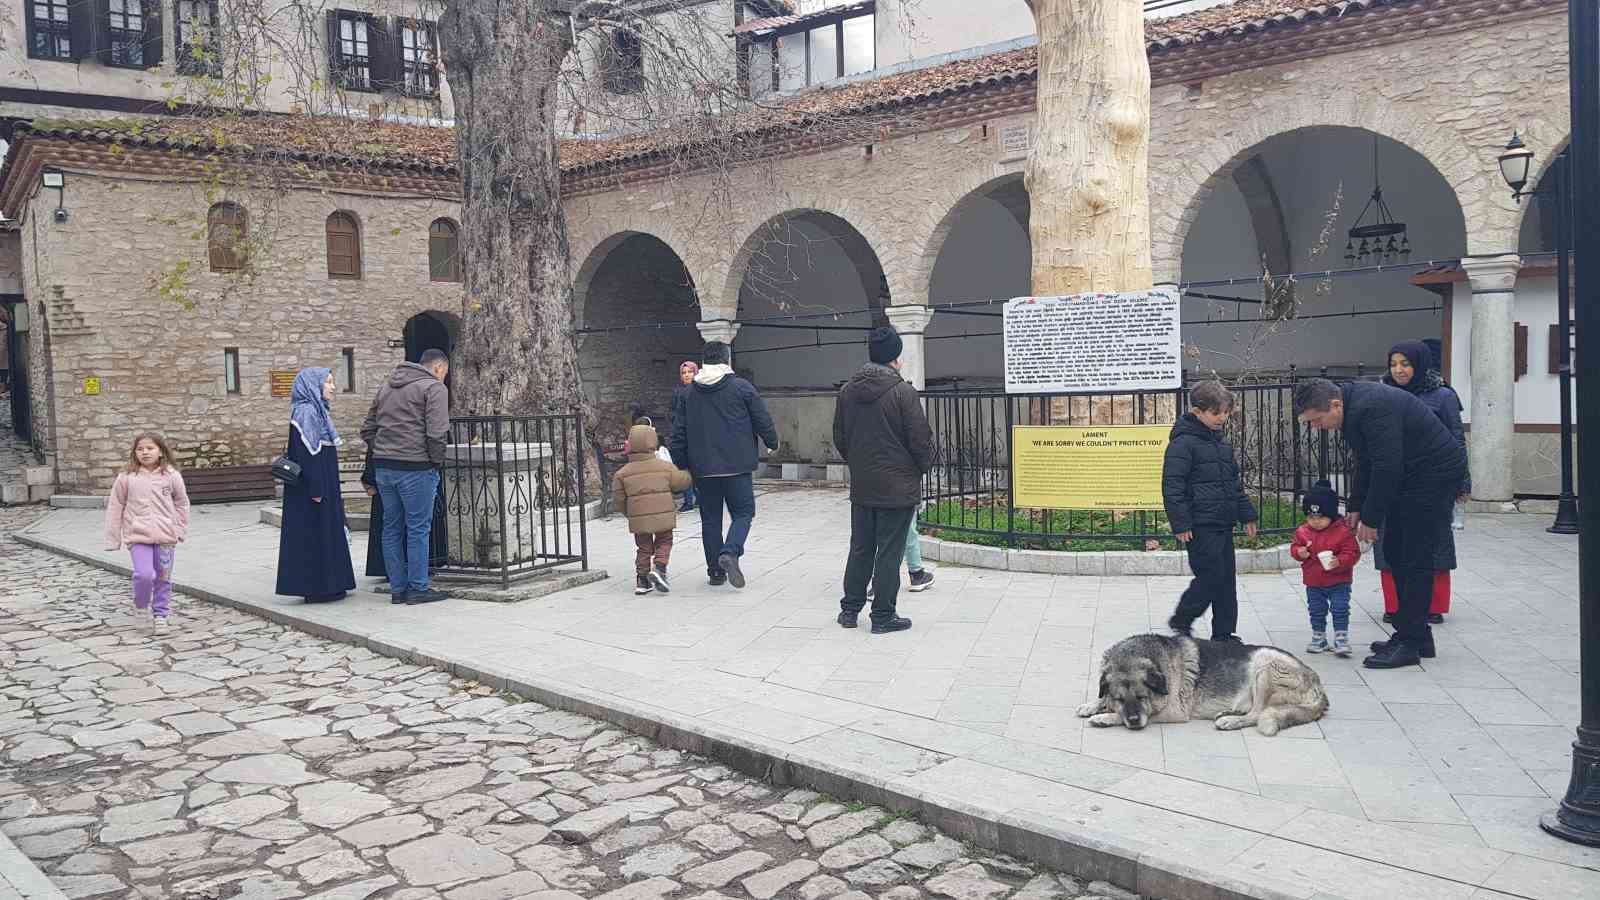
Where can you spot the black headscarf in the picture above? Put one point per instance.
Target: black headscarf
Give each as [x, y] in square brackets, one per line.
[1425, 377]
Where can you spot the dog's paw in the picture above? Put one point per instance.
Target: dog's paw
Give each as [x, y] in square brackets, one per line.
[1267, 726]
[1233, 723]
[1105, 720]
[1088, 709]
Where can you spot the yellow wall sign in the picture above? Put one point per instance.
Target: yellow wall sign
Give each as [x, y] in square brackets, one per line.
[1096, 467]
[91, 386]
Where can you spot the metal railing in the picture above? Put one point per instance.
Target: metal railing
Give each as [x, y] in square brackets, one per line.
[969, 492]
[513, 489]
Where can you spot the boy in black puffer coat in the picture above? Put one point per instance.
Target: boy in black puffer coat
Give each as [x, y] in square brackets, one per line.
[1204, 498]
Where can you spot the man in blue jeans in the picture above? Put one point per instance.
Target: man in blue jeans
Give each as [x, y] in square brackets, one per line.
[715, 425]
[405, 431]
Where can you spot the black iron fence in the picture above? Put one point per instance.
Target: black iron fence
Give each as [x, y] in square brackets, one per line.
[513, 497]
[969, 494]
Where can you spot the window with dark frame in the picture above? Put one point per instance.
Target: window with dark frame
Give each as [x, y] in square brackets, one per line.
[230, 369]
[623, 65]
[444, 251]
[50, 29]
[125, 33]
[353, 51]
[419, 54]
[344, 246]
[197, 38]
[225, 234]
[808, 54]
[349, 359]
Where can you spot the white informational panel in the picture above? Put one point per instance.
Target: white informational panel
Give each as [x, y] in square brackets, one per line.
[1094, 343]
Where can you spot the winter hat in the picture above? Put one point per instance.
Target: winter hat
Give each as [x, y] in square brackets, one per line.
[691, 365]
[1321, 501]
[884, 346]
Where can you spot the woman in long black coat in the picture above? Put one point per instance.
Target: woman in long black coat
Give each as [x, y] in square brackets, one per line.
[1412, 369]
[313, 550]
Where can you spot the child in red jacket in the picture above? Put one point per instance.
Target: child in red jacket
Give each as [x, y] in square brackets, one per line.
[1328, 553]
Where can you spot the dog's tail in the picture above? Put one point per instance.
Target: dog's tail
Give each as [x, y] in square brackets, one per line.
[1298, 696]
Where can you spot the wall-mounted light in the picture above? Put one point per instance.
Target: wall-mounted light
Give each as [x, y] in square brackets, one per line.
[51, 178]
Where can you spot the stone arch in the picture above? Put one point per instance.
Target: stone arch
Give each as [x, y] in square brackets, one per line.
[1184, 175]
[1536, 232]
[860, 232]
[1008, 190]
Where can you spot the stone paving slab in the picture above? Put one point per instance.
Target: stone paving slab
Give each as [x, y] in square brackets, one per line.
[20, 878]
[966, 719]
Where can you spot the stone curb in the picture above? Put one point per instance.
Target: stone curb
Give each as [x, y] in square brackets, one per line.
[1267, 561]
[1078, 848]
[21, 877]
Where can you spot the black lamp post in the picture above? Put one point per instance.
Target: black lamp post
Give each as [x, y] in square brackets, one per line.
[1578, 817]
[1555, 187]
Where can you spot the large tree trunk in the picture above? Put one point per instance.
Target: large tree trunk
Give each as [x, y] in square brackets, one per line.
[1087, 173]
[518, 350]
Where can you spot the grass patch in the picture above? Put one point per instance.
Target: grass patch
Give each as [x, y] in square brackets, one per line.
[1092, 530]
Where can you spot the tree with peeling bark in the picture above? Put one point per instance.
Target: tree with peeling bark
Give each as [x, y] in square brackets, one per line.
[1087, 174]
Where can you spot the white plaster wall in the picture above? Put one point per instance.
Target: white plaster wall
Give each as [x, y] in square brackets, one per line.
[1537, 399]
[930, 27]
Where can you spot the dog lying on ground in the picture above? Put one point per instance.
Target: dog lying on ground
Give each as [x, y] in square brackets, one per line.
[1154, 678]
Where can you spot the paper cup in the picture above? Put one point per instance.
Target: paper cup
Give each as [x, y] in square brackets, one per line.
[1327, 559]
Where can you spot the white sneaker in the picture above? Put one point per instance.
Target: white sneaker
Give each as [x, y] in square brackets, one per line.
[161, 623]
[1319, 643]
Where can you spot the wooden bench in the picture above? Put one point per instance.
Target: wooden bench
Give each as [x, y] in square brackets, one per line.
[230, 484]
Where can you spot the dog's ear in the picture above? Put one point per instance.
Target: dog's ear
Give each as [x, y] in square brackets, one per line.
[1105, 686]
[1156, 681]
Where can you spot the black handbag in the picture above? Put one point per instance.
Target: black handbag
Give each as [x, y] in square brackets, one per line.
[285, 470]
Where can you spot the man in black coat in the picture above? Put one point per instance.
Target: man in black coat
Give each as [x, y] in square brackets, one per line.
[1408, 471]
[882, 433]
[1204, 498]
[715, 426]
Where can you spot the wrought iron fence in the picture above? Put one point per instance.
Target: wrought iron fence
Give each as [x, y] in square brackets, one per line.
[513, 489]
[969, 492]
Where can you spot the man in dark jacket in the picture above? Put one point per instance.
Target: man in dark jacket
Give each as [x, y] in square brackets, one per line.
[882, 432]
[1408, 471]
[1204, 499]
[715, 426]
[405, 431]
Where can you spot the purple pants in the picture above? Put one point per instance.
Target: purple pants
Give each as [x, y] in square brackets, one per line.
[152, 577]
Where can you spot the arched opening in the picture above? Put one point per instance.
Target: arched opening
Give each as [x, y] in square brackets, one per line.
[1287, 205]
[985, 254]
[1538, 231]
[433, 330]
[818, 269]
[638, 307]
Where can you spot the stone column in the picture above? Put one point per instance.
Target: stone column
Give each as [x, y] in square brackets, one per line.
[1493, 281]
[911, 322]
[724, 330]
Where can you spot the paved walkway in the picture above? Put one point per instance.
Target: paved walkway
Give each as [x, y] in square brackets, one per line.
[1428, 782]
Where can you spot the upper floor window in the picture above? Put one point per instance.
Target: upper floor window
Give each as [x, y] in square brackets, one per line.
[225, 234]
[829, 44]
[125, 29]
[355, 43]
[50, 29]
[344, 246]
[198, 38]
[419, 53]
[623, 62]
[444, 251]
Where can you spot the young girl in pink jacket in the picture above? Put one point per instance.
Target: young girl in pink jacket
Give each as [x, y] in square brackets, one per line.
[149, 512]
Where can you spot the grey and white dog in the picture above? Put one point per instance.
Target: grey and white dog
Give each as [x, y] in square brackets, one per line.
[1154, 678]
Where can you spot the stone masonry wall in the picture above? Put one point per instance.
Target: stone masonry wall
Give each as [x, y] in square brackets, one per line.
[160, 365]
[1455, 98]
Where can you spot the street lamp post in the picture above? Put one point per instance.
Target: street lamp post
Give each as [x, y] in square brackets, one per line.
[1578, 817]
[1555, 187]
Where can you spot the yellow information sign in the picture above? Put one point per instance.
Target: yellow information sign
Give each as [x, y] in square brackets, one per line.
[91, 386]
[282, 381]
[1095, 467]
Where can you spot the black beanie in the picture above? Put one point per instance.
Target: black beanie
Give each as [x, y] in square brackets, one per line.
[1321, 501]
[884, 346]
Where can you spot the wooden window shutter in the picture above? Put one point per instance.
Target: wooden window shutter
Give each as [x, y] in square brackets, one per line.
[225, 233]
[84, 18]
[1520, 351]
[1553, 363]
[344, 246]
[335, 69]
[153, 37]
[383, 44]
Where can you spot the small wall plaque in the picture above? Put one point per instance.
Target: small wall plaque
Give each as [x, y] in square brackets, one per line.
[282, 381]
[91, 386]
[1016, 140]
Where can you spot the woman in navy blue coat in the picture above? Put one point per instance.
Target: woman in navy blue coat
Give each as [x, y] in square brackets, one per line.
[313, 551]
[1411, 370]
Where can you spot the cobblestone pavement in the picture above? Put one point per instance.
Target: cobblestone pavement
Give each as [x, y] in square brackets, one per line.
[231, 757]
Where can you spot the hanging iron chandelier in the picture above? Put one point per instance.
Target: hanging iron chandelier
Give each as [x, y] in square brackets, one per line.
[1384, 242]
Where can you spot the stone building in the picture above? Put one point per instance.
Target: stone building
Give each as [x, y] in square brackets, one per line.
[1272, 123]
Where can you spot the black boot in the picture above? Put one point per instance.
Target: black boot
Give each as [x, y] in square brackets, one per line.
[1435, 619]
[1424, 650]
[1395, 655]
[1180, 627]
[898, 623]
[1388, 618]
